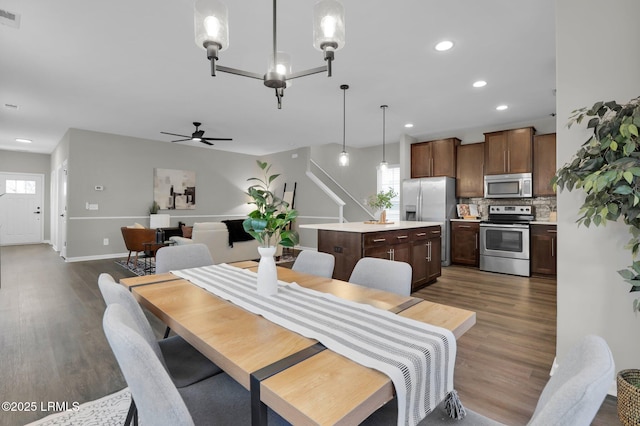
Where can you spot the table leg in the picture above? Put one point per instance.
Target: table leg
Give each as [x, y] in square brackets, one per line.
[258, 408]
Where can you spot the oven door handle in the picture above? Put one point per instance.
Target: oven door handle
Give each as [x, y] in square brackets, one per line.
[504, 225]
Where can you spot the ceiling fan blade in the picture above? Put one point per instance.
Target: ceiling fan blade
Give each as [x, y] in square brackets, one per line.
[182, 140]
[175, 134]
[217, 139]
[205, 142]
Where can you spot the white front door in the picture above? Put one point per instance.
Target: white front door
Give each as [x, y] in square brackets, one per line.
[21, 208]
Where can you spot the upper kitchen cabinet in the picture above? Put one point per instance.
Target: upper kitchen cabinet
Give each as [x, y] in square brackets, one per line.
[470, 170]
[544, 164]
[508, 151]
[434, 158]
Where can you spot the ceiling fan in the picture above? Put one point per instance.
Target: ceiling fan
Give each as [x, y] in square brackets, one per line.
[197, 136]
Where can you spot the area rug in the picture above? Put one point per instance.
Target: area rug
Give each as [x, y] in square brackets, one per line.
[110, 410]
[138, 268]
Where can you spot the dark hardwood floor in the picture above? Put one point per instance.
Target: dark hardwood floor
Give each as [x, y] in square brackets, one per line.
[52, 347]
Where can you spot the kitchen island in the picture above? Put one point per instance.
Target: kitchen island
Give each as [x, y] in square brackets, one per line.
[416, 243]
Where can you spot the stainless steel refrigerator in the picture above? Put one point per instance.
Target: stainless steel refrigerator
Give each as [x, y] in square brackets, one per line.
[431, 200]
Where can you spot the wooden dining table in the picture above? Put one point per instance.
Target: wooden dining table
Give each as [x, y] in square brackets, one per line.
[293, 375]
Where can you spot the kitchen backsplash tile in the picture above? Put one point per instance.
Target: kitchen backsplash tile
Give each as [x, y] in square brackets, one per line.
[543, 205]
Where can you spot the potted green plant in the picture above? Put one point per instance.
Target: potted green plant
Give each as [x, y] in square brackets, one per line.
[607, 169]
[155, 208]
[269, 224]
[382, 201]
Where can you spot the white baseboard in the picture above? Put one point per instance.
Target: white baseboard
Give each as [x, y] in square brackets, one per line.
[98, 257]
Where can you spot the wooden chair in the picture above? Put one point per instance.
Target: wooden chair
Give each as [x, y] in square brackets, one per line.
[134, 239]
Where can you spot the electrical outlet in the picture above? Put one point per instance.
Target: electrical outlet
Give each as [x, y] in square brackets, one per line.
[105, 241]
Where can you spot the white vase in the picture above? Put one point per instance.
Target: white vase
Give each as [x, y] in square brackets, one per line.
[267, 273]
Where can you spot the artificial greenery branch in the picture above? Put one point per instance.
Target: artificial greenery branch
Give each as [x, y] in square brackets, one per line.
[382, 200]
[268, 222]
[607, 169]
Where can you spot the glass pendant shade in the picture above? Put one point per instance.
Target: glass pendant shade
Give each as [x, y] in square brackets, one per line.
[211, 23]
[328, 25]
[383, 165]
[343, 159]
[282, 65]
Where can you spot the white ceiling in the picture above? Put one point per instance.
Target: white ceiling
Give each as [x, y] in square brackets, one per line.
[132, 68]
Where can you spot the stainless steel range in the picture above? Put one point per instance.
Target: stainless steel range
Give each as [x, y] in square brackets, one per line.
[504, 240]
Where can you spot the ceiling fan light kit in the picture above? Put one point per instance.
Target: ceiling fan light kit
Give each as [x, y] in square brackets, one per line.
[212, 34]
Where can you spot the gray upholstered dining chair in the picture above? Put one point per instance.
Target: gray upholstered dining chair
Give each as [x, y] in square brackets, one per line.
[314, 263]
[172, 258]
[571, 397]
[383, 274]
[183, 362]
[218, 399]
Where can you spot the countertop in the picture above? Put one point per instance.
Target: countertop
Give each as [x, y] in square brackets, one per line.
[362, 227]
[465, 220]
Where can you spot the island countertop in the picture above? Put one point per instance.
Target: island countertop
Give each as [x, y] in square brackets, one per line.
[361, 227]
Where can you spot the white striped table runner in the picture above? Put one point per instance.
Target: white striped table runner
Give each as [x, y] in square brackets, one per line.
[419, 358]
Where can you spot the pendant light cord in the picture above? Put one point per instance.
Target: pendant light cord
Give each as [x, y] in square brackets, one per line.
[344, 116]
[384, 121]
[275, 64]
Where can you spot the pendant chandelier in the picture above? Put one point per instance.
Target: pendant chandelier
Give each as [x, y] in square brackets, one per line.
[383, 163]
[343, 159]
[212, 34]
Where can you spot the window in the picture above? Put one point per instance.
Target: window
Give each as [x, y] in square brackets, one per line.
[21, 186]
[390, 178]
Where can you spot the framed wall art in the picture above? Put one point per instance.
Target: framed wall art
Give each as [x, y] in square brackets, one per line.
[174, 189]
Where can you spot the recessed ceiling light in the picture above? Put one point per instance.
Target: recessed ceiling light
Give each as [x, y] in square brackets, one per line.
[408, 125]
[479, 83]
[444, 45]
[23, 140]
[501, 107]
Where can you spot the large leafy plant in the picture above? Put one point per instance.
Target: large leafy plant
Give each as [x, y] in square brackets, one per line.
[607, 169]
[268, 222]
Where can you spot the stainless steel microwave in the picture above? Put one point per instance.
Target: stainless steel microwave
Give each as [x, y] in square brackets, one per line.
[514, 185]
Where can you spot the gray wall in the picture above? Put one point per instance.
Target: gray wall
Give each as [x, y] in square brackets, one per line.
[124, 166]
[592, 298]
[25, 162]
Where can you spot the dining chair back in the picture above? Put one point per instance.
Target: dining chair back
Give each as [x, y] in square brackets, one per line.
[157, 398]
[112, 292]
[185, 364]
[571, 397]
[574, 393]
[383, 274]
[171, 258]
[314, 263]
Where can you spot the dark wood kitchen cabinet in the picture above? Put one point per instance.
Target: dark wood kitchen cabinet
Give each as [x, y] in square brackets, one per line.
[544, 249]
[508, 151]
[470, 170]
[465, 243]
[544, 164]
[420, 247]
[434, 158]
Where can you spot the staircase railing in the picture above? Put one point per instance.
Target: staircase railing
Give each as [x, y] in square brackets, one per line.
[347, 193]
